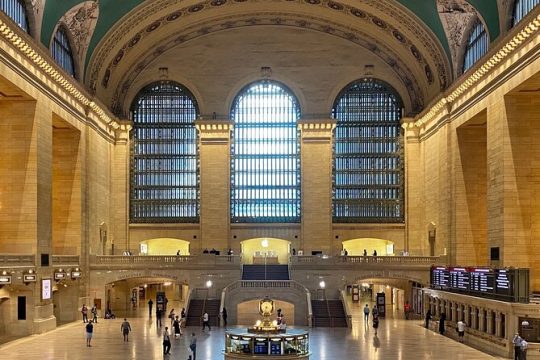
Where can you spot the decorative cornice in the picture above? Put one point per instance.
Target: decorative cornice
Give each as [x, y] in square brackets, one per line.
[504, 52]
[44, 64]
[213, 126]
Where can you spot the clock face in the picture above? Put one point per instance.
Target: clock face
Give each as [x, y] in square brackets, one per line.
[266, 307]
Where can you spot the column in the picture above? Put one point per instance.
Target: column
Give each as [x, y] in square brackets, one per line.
[473, 320]
[467, 315]
[316, 162]
[214, 155]
[498, 323]
[489, 317]
[117, 240]
[481, 316]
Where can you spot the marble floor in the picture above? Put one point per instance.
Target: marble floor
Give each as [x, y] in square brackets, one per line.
[397, 339]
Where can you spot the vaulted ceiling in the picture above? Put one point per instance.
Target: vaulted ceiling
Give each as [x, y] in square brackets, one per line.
[413, 43]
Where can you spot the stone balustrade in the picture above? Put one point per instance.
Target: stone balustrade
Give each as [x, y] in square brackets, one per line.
[65, 260]
[17, 260]
[160, 261]
[367, 260]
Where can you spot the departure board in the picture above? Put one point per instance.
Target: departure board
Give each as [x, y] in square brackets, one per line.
[507, 284]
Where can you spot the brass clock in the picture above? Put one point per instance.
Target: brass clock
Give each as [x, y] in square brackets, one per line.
[266, 307]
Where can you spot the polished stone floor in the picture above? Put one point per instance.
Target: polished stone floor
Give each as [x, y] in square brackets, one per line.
[397, 339]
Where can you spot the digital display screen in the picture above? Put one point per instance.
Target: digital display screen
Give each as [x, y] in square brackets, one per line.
[478, 281]
[46, 289]
[275, 348]
[261, 347]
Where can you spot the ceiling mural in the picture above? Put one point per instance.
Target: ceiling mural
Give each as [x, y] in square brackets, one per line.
[456, 17]
[81, 21]
[117, 40]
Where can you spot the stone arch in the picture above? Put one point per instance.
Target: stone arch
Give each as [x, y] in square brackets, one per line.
[355, 247]
[256, 249]
[164, 246]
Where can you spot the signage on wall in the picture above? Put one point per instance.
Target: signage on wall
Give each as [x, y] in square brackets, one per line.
[46, 289]
[28, 278]
[506, 284]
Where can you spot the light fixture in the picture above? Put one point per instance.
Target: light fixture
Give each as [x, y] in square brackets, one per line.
[29, 277]
[264, 243]
[322, 284]
[167, 283]
[208, 283]
[75, 273]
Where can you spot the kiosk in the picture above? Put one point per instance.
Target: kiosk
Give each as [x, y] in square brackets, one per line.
[266, 339]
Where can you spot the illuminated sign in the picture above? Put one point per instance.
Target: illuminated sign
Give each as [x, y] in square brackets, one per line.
[27, 278]
[46, 289]
[5, 279]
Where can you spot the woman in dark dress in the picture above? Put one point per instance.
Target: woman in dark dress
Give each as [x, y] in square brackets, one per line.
[441, 323]
[177, 328]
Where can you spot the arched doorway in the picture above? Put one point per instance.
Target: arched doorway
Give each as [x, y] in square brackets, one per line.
[356, 247]
[265, 251]
[131, 295]
[248, 312]
[164, 246]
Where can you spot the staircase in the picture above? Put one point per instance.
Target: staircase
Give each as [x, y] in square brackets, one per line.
[198, 307]
[328, 313]
[265, 272]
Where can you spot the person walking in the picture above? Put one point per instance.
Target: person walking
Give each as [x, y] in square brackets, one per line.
[407, 309]
[84, 312]
[177, 328]
[428, 318]
[158, 316]
[524, 347]
[89, 333]
[442, 319]
[183, 317]
[172, 316]
[125, 328]
[366, 312]
[193, 347]
[375, 310]
[166, 342]
[224, 317]
[461, 330]
[94, 313]
[150, 304]
[517, 346]
[375, 323]
[205, 322]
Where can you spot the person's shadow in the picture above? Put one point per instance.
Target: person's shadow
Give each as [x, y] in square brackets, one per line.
[376, 342]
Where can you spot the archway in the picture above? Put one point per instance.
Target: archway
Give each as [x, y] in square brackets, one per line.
[248, 312]
[356, 247]
[164, 246]
[131, 295]
[265, 250]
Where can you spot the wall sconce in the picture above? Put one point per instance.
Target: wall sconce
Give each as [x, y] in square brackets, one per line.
[5, 278]
[29, 277]
[75, 273]
[59, 275]
[208, 283]
[322, 284]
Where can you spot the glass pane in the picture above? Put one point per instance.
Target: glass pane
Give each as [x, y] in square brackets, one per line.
[522, 8]
[368, 158]
[265, 155]
[61, 51]
[16, 10]
[164, 155]
[477, 45]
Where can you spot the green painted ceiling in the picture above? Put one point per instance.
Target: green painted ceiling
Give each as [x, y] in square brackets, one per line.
[110, 11]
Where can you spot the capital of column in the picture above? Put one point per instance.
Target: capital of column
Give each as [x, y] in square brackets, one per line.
[121, 134]
[214, 131]
[316, 130]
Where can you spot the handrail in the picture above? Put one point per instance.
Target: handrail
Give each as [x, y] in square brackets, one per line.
[164, 259]
[348, 315]
[58, 260]
[354, 260]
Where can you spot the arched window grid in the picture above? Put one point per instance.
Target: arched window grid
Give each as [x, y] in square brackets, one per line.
[16, 10]
[265, 155]
[164, 155]
[522, 8]
[61, 51]
[368, 165]
[477, 45]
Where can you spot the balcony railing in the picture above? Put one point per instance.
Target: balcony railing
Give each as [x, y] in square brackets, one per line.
[163, 260]
[369, 260]
[65, 260]
[16, 260]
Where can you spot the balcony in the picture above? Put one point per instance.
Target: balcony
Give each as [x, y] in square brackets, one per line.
[366, 262]
[100, 262]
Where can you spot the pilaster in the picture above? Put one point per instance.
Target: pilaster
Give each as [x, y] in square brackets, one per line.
[316, 152]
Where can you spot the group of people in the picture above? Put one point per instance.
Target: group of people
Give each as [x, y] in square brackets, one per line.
[374, 314]
[84, 312]
[460, 326]
[520, 347]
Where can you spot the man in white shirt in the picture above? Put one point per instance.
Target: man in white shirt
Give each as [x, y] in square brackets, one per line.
[205, 322]
[524, 346]
[461, 330]
[517, 346]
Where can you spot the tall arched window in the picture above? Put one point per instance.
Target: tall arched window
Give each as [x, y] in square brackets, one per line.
[368, 181]
[522, 8]
[61, 51]
[265, 155]
[16, 10]
[164, 155]
[477, 45]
